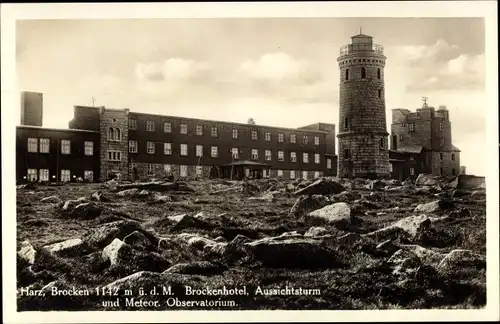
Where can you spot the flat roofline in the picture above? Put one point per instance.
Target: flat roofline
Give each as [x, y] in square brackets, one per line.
[56, 129]
[232, 123]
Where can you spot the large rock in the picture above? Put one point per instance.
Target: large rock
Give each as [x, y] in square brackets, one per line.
[27, 252]
[104, 234]
[138, 241]
[88, 210]
[404, 262]
[128, 192]
[162, 198]
[321, 187]
[197, 267]
[409, 227]
[195, 241]
[427, 180]
[185, 221]
[269, 197]
[376, 185]
[434, 206]
[338, 213]
[99, 196]
[293, 253]
[69, 248]
[117, 253]
[307, 204]
[460, 259]
[51, 199]
[426, 256]
[240, 239]
[70, 204]
[316, 231]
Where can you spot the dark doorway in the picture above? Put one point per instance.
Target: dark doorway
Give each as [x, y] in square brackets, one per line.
[214, 173]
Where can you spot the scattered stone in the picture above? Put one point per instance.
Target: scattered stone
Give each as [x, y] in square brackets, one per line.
[220, 239]
[128, 192]
[478, 194]
[27, 186]
[104, 234]
[388, 246]
[404, 262]
[410, 226]
[321, 187]
[316, 231]
[27, 252]
[460, 259]
[269, 197]
[425, 255]
[162, 198]
[293, 253]
[69, 248]
[197, 267]
[117, 253]
[434, 206]
[185, 221]
[51, 199]
[240, 239]
[306, 204]
[138, 241]
[426, 180]
[143, 193]
[376, 185]
[88, 210]
[195, 241]
[99, 196]
[338, 213]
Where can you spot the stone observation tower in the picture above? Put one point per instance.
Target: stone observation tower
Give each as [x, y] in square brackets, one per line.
[362, 136]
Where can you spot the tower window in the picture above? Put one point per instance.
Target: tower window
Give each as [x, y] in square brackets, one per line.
[346, 122]
[346, 153]
[382, 143]
[453, 157]
[441, 127]
[347, 74]
[378, 74]
[453, 171]
[363, 73]
[379, 93]
[441, 156]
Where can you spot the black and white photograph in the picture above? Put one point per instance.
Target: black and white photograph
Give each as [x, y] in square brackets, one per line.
[251, 163]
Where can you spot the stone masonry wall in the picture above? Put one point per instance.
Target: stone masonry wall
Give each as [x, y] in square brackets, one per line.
[117, 119]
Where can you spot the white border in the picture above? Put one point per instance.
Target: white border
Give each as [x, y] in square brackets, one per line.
[12, 12]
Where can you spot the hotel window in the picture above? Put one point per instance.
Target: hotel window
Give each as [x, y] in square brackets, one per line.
[167, 168]
[184, 171]
[403, 125]
[280, 138]
[441, 127]
[89, 148]
[293, 157]
[411, 127]
[267, 155]
[214, 131]
[44, 174]
[305, 157]
[442, 142]
[65, 175]
[255, 154]
[316, 140]
[44, 145]
[199, 130]
[199, 150]
[114, 156]
[150, 126]
[132, 124]
[150, 171]
[214, 151]
[235, 133]
[412, 158]
[293, 138]
[65, 147]
[167, 127]
[32, 174]
[280, 173]
[199, 170]
[453, 157]
[184, 128]
[441, 156]
[328, 163]
[114, 134]
[304, 175]
[254, 135]
[132, 146]
[292, 174]
[267, 137]
[235, 153]
[305, 139]
[32, 145]
[184, 150]
[316, 174]
[412, 171]
[167, 148]
[88, 175]
[281, 156]
[316, 158]
[400, 137]
[150, 147]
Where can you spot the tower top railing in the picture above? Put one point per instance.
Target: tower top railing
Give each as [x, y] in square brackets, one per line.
[356, 48]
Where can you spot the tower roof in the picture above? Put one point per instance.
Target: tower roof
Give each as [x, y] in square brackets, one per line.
[361, 36]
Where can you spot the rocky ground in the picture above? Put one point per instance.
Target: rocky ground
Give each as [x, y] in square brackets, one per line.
[358, 244]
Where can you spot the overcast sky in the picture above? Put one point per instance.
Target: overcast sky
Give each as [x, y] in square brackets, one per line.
[281, 72]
